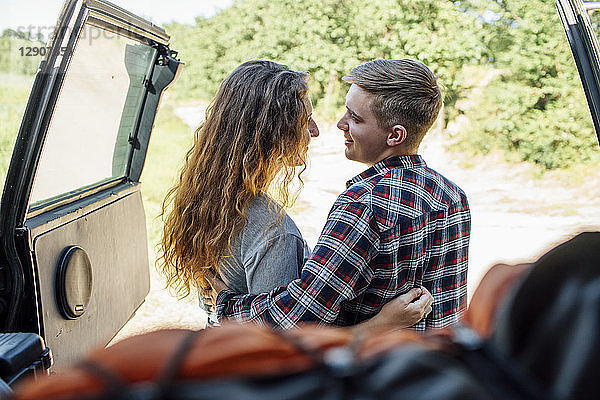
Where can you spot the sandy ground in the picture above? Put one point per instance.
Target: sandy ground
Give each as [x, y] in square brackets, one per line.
[516, 214]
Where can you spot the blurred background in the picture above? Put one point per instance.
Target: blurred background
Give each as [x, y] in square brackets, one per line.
[515, 131]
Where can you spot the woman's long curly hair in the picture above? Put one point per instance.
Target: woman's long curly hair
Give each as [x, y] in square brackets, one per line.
[255, 128]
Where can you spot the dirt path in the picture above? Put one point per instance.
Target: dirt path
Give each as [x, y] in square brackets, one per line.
[515, 216]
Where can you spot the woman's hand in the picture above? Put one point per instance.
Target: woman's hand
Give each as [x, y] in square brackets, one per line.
[406, 309]
[402, 312]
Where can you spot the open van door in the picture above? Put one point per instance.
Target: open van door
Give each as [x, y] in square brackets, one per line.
[73, 246]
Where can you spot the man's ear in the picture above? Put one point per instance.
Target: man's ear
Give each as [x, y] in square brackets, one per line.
[396, 136]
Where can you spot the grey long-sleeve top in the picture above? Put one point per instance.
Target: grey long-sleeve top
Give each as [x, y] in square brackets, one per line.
[268, 253]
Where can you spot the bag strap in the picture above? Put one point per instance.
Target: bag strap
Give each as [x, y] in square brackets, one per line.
[340, 364]
[166, 378]
[114, 385]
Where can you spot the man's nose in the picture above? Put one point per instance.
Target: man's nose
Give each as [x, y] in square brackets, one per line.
[313, 129]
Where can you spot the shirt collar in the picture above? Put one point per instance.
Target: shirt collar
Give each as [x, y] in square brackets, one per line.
[405, 162]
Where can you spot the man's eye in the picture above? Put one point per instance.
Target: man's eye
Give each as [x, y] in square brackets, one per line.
[354, 117]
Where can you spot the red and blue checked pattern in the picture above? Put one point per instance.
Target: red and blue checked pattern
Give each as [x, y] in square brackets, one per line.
[398, 225]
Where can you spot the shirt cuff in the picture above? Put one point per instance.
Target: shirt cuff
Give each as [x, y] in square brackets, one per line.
[222, 297]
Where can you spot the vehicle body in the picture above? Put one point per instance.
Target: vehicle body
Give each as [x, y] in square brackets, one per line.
[73, 255]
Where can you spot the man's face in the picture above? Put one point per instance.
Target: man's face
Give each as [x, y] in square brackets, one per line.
[365, 140]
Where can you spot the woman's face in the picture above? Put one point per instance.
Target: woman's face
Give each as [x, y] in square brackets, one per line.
[312, 130]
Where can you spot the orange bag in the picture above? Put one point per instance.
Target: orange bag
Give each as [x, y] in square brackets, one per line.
[489, 295]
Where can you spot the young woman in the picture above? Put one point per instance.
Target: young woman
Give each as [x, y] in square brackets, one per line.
[219, 217]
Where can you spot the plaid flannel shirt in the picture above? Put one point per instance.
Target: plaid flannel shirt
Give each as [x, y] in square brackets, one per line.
[398, 225]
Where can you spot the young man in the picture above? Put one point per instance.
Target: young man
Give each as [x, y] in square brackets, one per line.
[397, 226]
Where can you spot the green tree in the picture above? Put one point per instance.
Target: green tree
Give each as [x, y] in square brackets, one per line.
[327, 38]
[537, 107]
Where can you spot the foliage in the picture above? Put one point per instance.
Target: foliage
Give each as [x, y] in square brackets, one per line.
[537, 108]
[327, 38]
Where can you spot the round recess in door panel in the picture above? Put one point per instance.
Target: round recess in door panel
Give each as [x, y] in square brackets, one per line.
[73, 282]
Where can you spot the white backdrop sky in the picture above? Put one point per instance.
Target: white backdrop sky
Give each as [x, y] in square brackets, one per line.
[17, 14]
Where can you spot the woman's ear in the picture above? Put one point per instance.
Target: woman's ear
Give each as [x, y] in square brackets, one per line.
[396, 136]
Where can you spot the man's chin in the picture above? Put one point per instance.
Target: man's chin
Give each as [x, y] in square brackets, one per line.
[349, 155]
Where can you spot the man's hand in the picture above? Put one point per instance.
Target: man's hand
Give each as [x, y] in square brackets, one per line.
[402, 312]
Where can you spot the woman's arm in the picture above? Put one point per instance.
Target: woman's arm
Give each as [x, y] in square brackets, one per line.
[402, 312]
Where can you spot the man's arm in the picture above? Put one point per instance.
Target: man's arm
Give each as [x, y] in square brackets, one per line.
[339, 269]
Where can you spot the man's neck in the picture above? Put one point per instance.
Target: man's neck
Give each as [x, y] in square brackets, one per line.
[396, 153]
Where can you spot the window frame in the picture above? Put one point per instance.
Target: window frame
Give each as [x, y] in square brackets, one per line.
[584, 46]
[114, 26]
